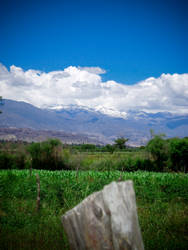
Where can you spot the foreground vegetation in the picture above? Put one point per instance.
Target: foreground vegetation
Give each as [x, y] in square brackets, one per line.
[162, 201]
[157, 170]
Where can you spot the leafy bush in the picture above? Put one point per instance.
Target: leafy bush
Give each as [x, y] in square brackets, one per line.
[19, 161]
[178, 154]
[88, 147]
[158, 147]
[6, 161]
[130, 164]
[145, 164]
[110, 148]
[10, 161]
[47, 155]
[126, 164]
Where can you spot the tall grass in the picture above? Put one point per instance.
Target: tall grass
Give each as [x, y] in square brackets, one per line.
[162, 200]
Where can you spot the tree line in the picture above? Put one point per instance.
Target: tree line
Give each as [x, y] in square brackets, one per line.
[160, 154]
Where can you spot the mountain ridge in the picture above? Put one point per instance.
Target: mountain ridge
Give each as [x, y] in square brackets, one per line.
[89, 122]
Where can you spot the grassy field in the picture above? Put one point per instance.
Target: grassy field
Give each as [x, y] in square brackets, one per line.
[162, 201]
[89, 158]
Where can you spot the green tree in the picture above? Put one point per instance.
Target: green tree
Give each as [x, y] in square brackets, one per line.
[120, 142]
[46, 155]
[178, 153]
[158, 147]
[110, 148]
[88, 147]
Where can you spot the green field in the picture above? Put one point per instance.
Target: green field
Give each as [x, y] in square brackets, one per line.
[162, 202]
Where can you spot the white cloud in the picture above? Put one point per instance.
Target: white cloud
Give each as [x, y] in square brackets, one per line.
[84, 86]
[94, 70]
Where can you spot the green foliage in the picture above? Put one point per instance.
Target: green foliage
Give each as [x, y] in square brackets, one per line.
[12, 161]
[170, 154]
[110, 148]
[178, 154]
[6, 161]
[120, 143]
[104, 165]
[88, 147]
[126, 164]
[134, 164]
[158, 147]
[46, 155]
[159, 155]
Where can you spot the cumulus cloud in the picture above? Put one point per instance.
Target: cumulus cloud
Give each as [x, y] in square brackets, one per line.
[94, 70]
[84, 86]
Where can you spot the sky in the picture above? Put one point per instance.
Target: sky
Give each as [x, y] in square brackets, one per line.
[97, 50]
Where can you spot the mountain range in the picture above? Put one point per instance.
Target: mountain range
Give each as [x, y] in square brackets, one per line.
[82, 125]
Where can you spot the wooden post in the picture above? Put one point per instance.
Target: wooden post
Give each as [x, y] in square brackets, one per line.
[38, 193]
[105, 220]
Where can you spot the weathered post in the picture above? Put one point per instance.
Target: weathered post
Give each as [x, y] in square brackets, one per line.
[105, 220]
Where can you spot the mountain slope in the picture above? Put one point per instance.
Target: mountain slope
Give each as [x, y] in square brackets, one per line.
[92, 123]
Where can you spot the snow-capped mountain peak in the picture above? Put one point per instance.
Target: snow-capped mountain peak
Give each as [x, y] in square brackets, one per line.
[101, 109]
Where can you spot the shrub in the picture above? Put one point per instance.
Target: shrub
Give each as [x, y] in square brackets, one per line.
[19, 161]
[110, 148]
[47, 155]
[88, 147]
[158, 147]
[178, 154]
[10, 161]
[6, 161]
[130, 165]
[145, 164]
[126, 164]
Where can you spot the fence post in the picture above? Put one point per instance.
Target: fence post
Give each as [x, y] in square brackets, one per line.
[105, 220]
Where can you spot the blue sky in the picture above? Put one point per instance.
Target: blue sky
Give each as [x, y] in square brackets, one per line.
[131, 40]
